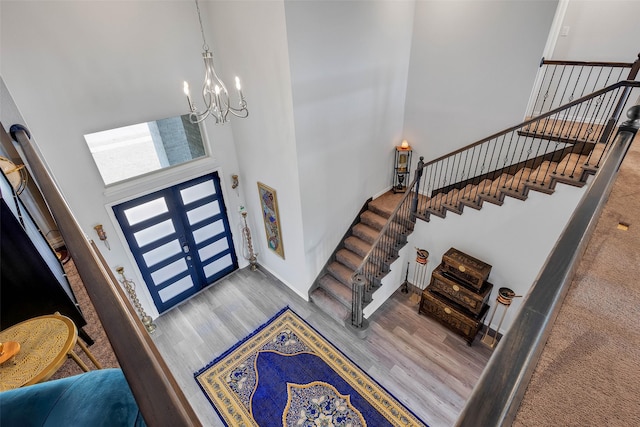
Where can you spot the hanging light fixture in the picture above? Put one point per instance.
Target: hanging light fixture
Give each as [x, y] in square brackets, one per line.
[214, 91]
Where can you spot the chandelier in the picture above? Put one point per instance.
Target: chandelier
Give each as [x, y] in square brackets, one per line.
[214, 91]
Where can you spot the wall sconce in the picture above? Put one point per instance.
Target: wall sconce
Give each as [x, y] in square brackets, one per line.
[102, 235]
[234, 181]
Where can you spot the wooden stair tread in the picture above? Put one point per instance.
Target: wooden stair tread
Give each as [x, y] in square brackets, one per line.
[563, 130]
[330, 305]
[341, 272]
[365, 232]
[386, 204]
[336, 289]
[373, 220]
[357, 245]
[349, 259]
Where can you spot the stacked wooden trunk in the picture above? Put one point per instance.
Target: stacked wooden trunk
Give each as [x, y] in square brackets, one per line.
[458, 293]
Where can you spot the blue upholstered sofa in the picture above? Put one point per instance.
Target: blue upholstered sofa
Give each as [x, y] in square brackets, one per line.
[95, 398]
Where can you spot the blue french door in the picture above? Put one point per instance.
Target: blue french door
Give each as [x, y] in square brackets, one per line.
[180, 238]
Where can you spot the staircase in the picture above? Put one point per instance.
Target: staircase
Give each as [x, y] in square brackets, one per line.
[333, 291]
[572, 169]
[566, 144]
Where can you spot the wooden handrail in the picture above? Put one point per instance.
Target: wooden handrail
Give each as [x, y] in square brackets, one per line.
[635, 66]
[587, 63]
[158, 395]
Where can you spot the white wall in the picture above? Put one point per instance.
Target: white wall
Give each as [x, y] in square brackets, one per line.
[472, 67]
[349, 64]
[78, 67]
[600, 31]
[251, 36]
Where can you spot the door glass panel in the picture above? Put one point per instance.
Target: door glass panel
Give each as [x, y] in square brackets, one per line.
[169, 271]
[197, 192]
[175, 289]
[208, 231]
[213, 249]
[162, 252]
[203, 212]
[146, 211]
[160, 227]
[217, 265]
[155, 232]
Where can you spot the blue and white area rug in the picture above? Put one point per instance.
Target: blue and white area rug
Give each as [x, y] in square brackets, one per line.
[285, 373]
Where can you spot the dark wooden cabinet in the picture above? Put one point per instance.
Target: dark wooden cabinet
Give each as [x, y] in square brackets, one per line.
[458, 293]
[467, 269]
[452, 315]
[448, 286]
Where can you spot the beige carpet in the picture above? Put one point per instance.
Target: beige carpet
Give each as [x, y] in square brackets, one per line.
[589, 371]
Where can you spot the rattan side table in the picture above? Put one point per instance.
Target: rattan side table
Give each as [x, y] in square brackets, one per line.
[45, 342]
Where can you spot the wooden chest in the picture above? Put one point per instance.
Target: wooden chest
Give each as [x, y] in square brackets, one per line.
[448, 286]
[452, 315]
[466, 268]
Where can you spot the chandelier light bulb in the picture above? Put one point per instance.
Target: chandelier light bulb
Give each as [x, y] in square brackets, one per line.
[238, 83]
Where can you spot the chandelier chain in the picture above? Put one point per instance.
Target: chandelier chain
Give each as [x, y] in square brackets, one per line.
[205, 46]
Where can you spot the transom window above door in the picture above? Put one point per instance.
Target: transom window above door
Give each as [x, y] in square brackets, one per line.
[131, 151]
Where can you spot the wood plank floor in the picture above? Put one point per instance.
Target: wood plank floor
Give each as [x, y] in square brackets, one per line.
[429, 369]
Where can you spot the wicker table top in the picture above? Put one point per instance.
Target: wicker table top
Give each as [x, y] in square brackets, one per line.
[44, 344]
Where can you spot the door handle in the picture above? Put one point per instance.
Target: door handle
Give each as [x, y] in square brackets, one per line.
[186, 249]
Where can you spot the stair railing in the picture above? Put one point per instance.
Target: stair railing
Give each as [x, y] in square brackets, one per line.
[560, 125]
[500, 163]
[366, 278]
[512, 364]
[572, 128]
[560, 82]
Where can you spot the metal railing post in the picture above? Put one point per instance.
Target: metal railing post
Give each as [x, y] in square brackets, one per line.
[416, 194]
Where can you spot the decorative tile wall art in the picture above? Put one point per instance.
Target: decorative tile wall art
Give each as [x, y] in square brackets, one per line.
[272, 227]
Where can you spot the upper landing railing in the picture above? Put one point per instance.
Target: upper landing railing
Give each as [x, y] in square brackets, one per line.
[501, 163]
[560, 82]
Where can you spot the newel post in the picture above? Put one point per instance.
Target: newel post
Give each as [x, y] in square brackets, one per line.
[358, 325]
[633, 124]
[414, 202]
[634, 69]
[609, 128]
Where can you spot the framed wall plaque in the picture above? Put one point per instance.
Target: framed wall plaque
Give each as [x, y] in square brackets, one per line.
[271, 218]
